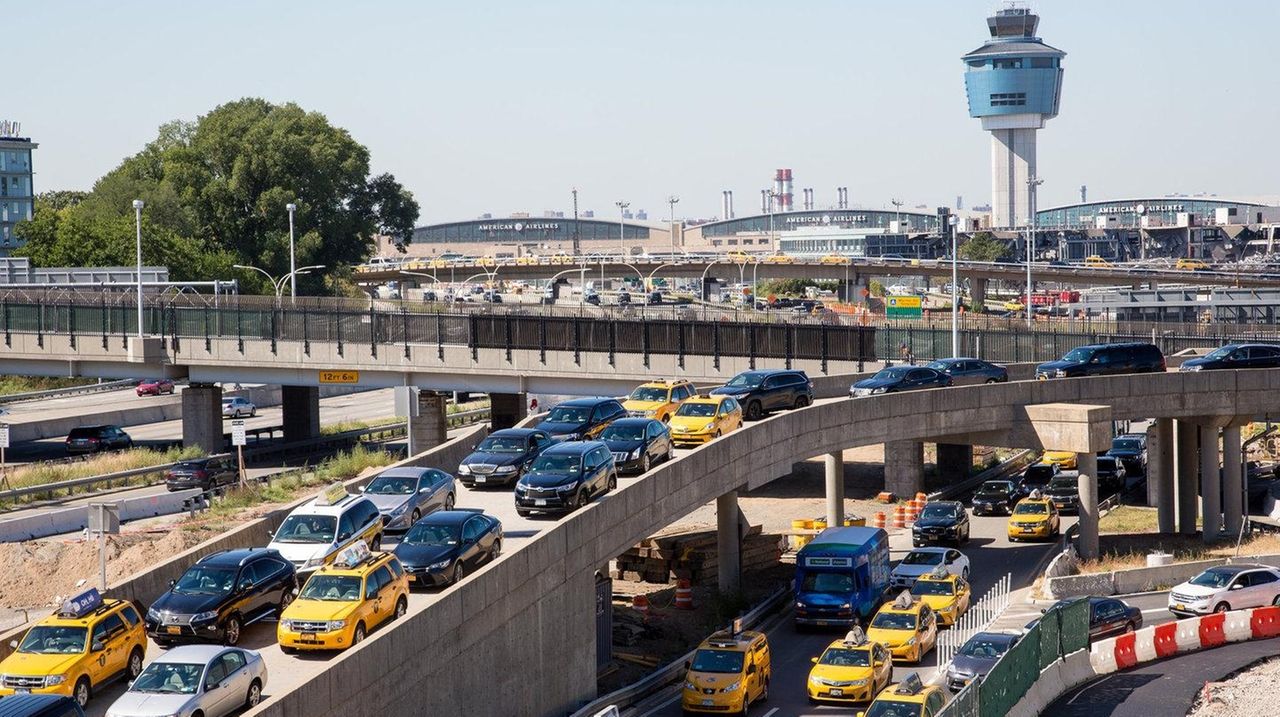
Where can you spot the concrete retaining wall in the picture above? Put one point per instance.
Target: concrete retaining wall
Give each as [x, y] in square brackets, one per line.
[70, 520]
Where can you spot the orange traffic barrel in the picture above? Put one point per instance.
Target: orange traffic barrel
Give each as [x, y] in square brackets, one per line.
[684, 595]
[899, 516]
[913, 512]
[640, 603]
[877, 520]
[921, 498]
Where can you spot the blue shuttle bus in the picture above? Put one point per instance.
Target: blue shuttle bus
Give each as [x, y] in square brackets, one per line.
[841, 576]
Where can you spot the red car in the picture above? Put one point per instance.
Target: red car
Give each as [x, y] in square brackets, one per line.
[154, 387]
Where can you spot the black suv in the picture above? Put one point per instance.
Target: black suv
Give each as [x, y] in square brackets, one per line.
[1104, 360]
[1064, 491]
[202, 473]
[995, 496]
[503, 456]
[1131, 449]
[221, 594]
[581, 418]
[1236, 356]
[1111, 475]
[92, 439]
[941, 521]
[1037, 477]
[769, 390]
[565, 477]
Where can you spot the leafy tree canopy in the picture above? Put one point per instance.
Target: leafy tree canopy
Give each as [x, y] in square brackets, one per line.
[984, 247]
[216, 191]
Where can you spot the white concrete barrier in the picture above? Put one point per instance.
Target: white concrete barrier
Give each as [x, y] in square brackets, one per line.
[69, 520]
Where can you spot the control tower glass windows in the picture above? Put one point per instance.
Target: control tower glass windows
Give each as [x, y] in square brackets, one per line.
[1044, 62]
[1014, 63]
[1008, 99]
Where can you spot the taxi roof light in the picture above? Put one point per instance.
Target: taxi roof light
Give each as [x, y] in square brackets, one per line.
[333, 495]
[353, 555]
[856, 637]
[910, 685]
[81, 605]
[903, 601]
[939, 572]
[1036, 495]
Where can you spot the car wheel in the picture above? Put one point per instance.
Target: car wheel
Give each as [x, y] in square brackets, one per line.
[801, 401]
[1222, 607]
[402, 607]
[581, 500]
[1276, 600]
[254, 696]
[1129, 627]
[645, 463]
[286, 599]
[522, 513]
[965, 573]
[764, 694]
[459, 573]
[497, 549]
[231, 633]
[82, 692]
[358, 637]
[754, 411]
[613, 482]
[135, 664]
[287, 650]
[413, 517]
[449, 502]
[992, 380]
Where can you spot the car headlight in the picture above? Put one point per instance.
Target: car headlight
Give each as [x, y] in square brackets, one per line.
[336, 624]
[505, 469]
[857, 683]
[635, 455]
[650, 413]
[732, 688]
[464, 469]
[688, 685]
[881, 389]
[1191, 368]
[567, 487]
[709, 426]
[571, 436]
[911, 642]
[815, 680]
[51, 680]
[400, 509]
[313, 563]
[153, 615]
[205, 616]
[439, 566]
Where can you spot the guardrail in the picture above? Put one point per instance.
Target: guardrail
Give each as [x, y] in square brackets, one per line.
[659, 678]
[68, 391]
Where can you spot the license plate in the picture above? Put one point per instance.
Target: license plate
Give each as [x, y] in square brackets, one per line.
[481, 479]
[1041, 378]
[708, 703]
[173, 630]
[837, 692]
[540, 501]
[1179, 606]
[307, 638]
[22, 691]
[1028, 530]
[412, 578]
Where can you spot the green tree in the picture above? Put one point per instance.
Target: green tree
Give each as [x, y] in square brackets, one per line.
[984, 247]
[215, 191]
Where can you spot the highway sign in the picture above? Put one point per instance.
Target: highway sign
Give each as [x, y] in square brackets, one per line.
[903, 306]
[4, 435]
[237, 432]
[339, 377]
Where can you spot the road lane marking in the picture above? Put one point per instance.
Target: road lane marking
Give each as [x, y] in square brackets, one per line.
[663, 706]
[770, 712]
[1090, 686]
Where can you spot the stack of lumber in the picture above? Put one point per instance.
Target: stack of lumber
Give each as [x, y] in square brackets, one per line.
[668, 557]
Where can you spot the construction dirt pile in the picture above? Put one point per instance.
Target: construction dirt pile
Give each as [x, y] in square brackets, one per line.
[43, 572]
[1248, 693]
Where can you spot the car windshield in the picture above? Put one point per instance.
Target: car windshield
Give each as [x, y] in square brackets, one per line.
[827, 583]
[1063, 484]
[1107, 464]
[919, 557]
[428, 534]
[615, 432]
[933, 587]
[392, 485]
[1035, 508]
[1214, 578]
[893, 708]
[335, 588]
[307, 529]
[895, 373]
[727, 661]
[180, 678]
[205, 580]
[1080, 355]
[938, 511]
[227, 401]
[1219, 354]
[1126, 444]
[557, 463]
[697, 410]
[54, 640]
[894, 621]
[984, 647]
[568, 414]
[843, 657]
[502, 444]
[938, 365]
[996, 486]
[648, 393]
[745, 380]
[1039, 474]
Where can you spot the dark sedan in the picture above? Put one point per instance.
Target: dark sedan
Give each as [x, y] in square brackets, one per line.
[637, 443]
[995, 497]
[581, 419]
[1037, 477]
[900, 378]
[503, 456]
[1236, 356]
[443, 547]
[976, 658]
[1107, 616]
[1131, 449]
[969, 371]
[1111, 475]
[202, 473]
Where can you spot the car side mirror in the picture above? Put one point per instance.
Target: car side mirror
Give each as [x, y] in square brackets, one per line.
[97, 646]
[751, 669]
[173, 583]
[364, 488]
[13, 644]
[246, 585]
[814, 660]
[343, 536]
[424, 490]
[687, 664]
[1237, 586]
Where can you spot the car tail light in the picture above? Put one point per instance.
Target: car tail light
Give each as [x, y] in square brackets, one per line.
[201, 474]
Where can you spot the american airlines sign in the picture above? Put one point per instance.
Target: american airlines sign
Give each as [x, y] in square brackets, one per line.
[825, 219]
[519, 227]
[1141, 208]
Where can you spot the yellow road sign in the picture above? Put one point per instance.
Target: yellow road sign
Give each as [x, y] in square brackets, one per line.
[339, 377]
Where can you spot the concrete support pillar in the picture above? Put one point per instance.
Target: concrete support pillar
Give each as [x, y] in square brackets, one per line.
[1185, 470]
[1210, 484]
[1233, 507]
[835, 489]
[507, 409]
[728, 544]
[1087, 485]
[202, 417]
[430, 427]
[977, 293]
[904, 468]
[955, 461]
[1160, 485]
[300, 406]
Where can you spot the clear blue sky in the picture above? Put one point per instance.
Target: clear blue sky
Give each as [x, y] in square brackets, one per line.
[503, 106]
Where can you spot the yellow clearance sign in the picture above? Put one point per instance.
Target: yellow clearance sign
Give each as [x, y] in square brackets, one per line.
[339, 377]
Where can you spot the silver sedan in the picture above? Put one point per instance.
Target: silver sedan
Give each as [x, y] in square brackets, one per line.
[211, 680]
[405, 494]
[968, 371]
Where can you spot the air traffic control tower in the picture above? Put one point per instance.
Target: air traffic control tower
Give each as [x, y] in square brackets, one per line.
[1014, 84]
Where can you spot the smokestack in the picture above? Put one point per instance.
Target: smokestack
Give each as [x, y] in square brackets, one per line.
[1084, 194]
[959, 202]
[782, 186]
[724, 204]
[808, 199]
[764, 201]
[730, 193]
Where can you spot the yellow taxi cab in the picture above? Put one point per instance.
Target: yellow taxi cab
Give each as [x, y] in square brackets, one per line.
[909, 698]
[851, 669]
[658, 399]
[704, 417]
[949, 595]
[486, 261]
[342, 602]
[527, 260]
[730, 670]
[87, 643]
[1066, 460]
[1034, 517]
[561, 258]
[907, 626]
[834, 260]
[740, 257]
[1191, 265]
[779, 258]
[1097, 262]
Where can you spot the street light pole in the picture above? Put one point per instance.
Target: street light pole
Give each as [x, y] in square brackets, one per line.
[772, 243]
[673, 200]
[293, 268]
[955, 291]
[1032, 182]
[622, 226]
[897, 212]
[137, 212]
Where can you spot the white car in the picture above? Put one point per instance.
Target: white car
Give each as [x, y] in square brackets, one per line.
[238, 407]
[1226, 587]
[209, 680]
[922, 560]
